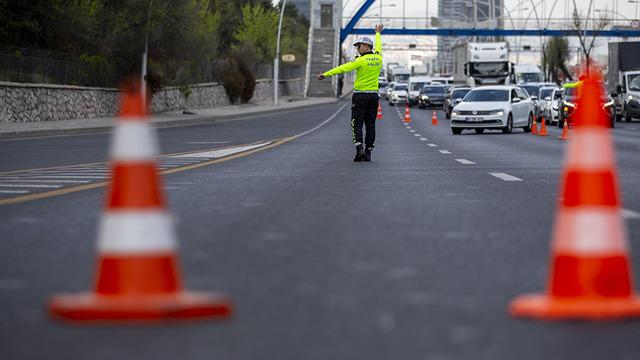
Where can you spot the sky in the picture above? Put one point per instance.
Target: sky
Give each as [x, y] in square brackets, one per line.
[522, 16]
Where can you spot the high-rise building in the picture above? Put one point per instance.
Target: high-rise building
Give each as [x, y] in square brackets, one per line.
[460, 14]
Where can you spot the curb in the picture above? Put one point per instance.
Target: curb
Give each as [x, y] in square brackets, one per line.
[157, 124]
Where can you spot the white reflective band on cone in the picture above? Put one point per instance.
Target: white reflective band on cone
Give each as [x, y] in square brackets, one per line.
[134, 141]
[590, 231]
[135, 232]
[590, 149]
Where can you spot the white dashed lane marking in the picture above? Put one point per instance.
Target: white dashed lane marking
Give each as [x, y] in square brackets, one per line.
[465, 162]
[505, 177]
[412, 131]
[446, 152]
[417, 135]
[432, 145]
[423, 139]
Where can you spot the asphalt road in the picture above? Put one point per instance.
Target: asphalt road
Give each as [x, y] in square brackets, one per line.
[415, 255]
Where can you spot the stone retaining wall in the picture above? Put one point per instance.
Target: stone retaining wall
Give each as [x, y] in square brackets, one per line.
[21, 103]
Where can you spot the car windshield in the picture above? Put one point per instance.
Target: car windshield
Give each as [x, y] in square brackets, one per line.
[531, 89]
[487, 95]
[459, 94]
[416, 86]
[571, 91]
[634, 82]
[557, 95]
[528, 77]
[434, 90]
[400, 88]
[545, 92]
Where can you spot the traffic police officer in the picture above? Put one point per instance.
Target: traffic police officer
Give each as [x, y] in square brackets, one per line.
[365, 94]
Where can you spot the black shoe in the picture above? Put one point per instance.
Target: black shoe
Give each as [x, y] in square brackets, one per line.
[367, 155]
[359, 154]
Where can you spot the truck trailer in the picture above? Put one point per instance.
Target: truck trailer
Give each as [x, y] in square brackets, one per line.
[482, 64]
[623, 78]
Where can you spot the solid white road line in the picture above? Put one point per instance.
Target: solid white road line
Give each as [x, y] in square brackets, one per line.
[31, 185]
[432, 145]
[465, 161]
[446, 152]
[630, 214]
[13, 191]
[17, 179]
[505, 177]
[206, 142]
[67, 177]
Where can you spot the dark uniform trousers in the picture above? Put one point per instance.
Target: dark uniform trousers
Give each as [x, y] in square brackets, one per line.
[364, 109]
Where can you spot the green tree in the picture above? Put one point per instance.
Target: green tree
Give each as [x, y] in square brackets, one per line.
[258, 28]
[556, 57]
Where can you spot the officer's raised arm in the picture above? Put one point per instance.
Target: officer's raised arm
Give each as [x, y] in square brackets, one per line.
[378, 48]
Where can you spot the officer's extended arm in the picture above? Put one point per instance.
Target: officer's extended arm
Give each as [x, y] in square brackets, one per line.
[350, 66]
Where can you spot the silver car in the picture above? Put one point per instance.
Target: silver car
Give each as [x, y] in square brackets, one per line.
[493, 107]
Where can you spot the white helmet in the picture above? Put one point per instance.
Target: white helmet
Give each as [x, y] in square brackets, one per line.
[364, 40]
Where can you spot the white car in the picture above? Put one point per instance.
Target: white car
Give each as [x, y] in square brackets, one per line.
[544, 98]
[552, 112]
[493, 107]
[388, 89]
[399, 94]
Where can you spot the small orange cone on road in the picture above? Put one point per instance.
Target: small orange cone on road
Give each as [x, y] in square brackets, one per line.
[379, 115]
[591, 276]
[565, 131]
[407, 115]
[543, 127]
[138, 277]
[434, 119]
[534, 128]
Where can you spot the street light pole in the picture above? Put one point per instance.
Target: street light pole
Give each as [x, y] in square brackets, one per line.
[145, 55]
[276, 60]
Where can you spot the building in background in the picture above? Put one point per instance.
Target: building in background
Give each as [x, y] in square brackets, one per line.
[460, 14]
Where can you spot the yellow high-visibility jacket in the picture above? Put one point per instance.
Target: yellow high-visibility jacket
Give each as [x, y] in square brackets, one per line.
[367, 66]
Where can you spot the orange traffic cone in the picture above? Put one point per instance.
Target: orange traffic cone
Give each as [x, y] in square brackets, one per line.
[379, 115]
[590, 268]
[543, 127]
[138, 277]
[434, 119]
[534, 128]
[565, 131]
[407, 115]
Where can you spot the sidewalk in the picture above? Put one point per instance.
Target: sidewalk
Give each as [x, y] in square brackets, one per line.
[166, 119]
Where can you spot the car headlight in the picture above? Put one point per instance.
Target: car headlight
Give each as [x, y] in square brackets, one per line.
[555, 107]
[454, 113]
[632, 97]
[425, 97]
[566, 103]
[498, 112]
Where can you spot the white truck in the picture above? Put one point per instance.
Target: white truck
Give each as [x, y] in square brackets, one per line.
[482, 64]
[416, 83]
[399, 74]
[623, 79]
[527, 73]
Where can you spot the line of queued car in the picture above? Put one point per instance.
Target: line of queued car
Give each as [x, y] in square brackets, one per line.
[502, 107]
